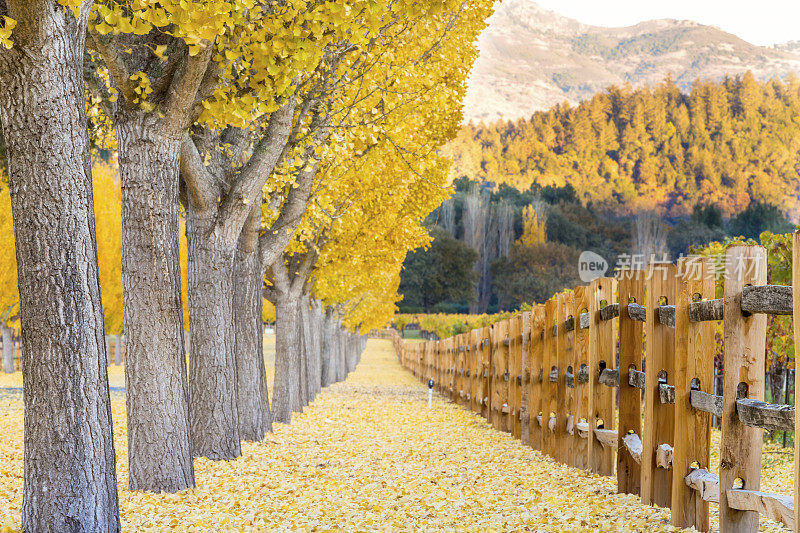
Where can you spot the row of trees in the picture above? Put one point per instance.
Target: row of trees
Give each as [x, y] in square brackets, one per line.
[726, 143]
[297, 140]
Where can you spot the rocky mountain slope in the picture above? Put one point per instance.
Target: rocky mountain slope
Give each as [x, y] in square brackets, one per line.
[532, 59]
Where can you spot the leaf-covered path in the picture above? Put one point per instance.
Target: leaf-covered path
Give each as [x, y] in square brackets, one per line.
[368, 454]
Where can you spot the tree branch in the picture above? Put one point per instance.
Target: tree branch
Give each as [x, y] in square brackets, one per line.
[178, 104]
[250, 180]
[274, 240]
[112, 52]
[200, 184]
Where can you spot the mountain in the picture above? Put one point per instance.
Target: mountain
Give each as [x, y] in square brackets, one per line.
[531, 59]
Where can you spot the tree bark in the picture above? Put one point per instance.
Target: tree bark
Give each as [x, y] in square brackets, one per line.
[327, 366]
[255, 419]
[69, 462]
[341, 342]
[8, 350]
[159, 446]
[315, 335]
[212, 366]
[286, 390]
[302, 348]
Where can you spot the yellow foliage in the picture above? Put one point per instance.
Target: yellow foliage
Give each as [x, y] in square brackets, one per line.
[533, 227]
[267, 311]
[108, 224]
[9, 293]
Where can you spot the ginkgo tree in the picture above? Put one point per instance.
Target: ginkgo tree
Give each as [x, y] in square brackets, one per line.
[70, 476]
[380, 174]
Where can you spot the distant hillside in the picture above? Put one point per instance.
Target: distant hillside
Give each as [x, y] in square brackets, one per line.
[532, 59]
[725, 143]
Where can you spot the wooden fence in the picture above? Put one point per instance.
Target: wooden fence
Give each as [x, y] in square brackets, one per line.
[554, 377]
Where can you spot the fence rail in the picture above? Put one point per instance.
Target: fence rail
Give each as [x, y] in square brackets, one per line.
[554, 376]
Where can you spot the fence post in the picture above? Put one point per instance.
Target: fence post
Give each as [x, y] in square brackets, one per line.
[744, 368]
[602, 344]
[474, 365]
[460, 392]
[565, 406]
[580, 361]
[659, 418]
[486, 372]
[796, 329]
[631, 290]
[694, 368]
[525, 417]
[501, 376]
[549, 362]
[515, 371]
[535, 389]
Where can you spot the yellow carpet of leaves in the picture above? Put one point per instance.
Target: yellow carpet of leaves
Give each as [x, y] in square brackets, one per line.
[367, 455]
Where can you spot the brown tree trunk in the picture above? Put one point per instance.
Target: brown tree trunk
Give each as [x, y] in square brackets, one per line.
[212, 366]
[302, 349]
[159, 446]
[341, 342]
[315, 340]
[70, 481]
[286, 390]
[327, 364]
[8, 350]
[255, 419]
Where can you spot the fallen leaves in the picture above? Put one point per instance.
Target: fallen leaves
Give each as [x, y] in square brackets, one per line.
[368, 454]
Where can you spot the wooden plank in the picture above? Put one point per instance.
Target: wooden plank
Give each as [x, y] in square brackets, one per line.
[581, 362]
[631, 290]
[709, 403]
[515, 370]
[774, 506]
[535, 385]
[769, 299]
[705, 483]
[566, 395]
[796, 327]
[694, 368]
[526, 373]
[602, 344]
[658, 417]
[769, 416]
[549, 389]
[744, 363]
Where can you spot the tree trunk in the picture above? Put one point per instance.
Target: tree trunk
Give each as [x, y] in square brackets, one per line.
[212, 366]
[341, 342]
[308, 348]
[159, 446]
[327, 368]
[252, 395]
[315, 330]
[8, 350]
[302, 348]
[286, 390]
[70, 481]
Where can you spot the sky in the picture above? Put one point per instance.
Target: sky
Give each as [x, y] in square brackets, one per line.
[763, 22]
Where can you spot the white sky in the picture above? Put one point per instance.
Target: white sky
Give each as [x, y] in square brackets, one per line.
[763, 22]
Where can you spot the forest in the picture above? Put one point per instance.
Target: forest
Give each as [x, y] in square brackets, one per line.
[525, 246]
[726, 144]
